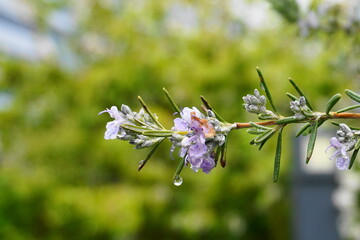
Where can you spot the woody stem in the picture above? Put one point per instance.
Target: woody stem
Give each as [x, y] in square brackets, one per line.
[323, 116]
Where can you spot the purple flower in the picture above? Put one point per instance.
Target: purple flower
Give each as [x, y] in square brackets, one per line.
[194, 148]
[340, 154]
[180, 125]
[113, 127]
[196, 152]
[192, 118]
[188, 113]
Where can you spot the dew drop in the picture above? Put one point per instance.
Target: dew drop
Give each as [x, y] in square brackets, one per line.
[178, 181]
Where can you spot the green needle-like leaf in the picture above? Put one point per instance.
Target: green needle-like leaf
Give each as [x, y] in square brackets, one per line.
[331, 103]
[155, 133]
[312, 141]
[353, 157]
[288, 9]
[301, 93]
[223, 153]
[308, 113]
[303, 129]
[172, 102]
[348, 108]
[265, 136]
[265, 88]
[277, 157]
[335, 123]
[179, 169]
[143, 104]
[133, 128]
[353, 95]
[258, 126]
[306, 129]
[286, 120]
[262, 144]
[255, 131]
[357, 144]
[291, 96]
[143, 162]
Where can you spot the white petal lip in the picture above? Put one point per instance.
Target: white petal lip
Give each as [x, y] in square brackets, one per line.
[112, 130]
[113, 127]
[186, 113]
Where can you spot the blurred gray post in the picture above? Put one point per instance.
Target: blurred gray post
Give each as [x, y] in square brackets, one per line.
[314, 214]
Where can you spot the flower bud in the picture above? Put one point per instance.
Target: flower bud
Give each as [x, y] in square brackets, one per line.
[302, 101]
[247, 99]
[340, 133]
[254, 100]
[299, 116]
[253, 109]
[126, 109]
[256, 93]
[211, 114]
[262, 100]
[344, 128]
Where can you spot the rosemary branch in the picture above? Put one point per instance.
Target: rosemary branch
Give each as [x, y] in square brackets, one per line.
[322, 116]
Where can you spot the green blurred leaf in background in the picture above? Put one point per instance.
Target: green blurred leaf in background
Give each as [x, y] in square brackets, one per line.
[59, 179]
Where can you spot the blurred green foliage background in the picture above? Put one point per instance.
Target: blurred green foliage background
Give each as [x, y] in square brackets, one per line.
[59, 179]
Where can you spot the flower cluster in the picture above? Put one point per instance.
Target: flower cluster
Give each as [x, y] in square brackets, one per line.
[205, 134]
[343, 143]
[201, 139]
[127, 126]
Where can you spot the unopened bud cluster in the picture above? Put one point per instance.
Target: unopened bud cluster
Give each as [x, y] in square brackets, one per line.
[300, 108]
[256, 103]
[345, 134]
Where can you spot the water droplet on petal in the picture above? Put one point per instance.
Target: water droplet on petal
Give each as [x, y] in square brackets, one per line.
[178, 181]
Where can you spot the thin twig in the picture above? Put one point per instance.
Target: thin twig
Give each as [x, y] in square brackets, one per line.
[332, 115]
[248, 125]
